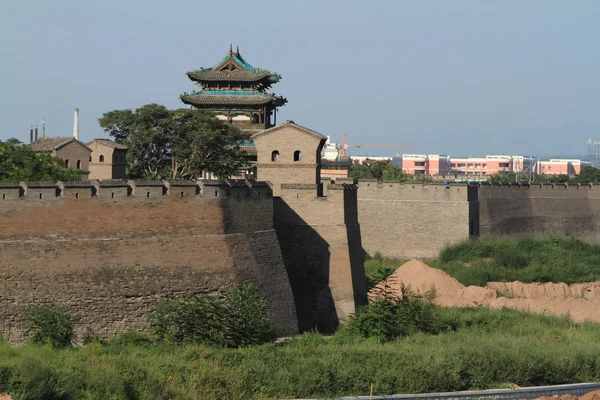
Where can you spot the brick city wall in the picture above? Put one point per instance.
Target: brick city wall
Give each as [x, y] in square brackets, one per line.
[321, 243]
[400, 219]
[540, 210]
[110, 259]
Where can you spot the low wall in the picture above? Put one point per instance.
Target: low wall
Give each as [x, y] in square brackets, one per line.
[110, 259]
[405, 220]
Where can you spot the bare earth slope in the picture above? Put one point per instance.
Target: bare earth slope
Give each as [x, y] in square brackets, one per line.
[589, 396]
[581, 301]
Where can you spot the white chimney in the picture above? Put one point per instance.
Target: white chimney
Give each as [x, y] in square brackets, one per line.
[76, 124]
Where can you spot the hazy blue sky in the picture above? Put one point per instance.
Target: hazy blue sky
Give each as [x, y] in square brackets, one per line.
[453, 77]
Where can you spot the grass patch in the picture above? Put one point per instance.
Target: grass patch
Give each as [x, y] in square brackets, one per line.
[474, 348]
[553, 259]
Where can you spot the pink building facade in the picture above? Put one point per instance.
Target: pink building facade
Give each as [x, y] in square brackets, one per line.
[425, 164]
[558, 166]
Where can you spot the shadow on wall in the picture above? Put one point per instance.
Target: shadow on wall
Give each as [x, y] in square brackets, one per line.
[358, 254]
[539, 210]
[307, 261]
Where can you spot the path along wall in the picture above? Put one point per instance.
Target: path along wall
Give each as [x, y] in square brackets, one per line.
[110, 257]
[405, 220]
[540, 210]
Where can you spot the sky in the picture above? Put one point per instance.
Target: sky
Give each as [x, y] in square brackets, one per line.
[462, 77]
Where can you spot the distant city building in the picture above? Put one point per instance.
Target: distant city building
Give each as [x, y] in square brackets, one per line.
[425, 164]
[558, 166]
[331, 150]
[489, 165]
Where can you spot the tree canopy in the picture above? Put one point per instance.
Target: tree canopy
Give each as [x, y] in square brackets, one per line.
[382, 170]
[19, 163]
[587, 174]
[176, 144]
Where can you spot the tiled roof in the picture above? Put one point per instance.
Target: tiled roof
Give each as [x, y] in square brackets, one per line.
[49, 143]
[236, 76]
[109, 143]
[290, 124]
[202, 99]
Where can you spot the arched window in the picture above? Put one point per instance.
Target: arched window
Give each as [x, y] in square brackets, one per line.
[297, 155]
[101, 158]
[67, 163]
[90, 158]
[275, 155]
[78, 164]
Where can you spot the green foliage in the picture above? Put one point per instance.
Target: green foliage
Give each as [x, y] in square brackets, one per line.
[31, 380]
[238, 319]
[588, 174]
[387, 319]
[50, 324]
[19, 163]
[378, 269]
[511, 177]
[383, 171]
[553, 259]
[474, 348]
[176, 144]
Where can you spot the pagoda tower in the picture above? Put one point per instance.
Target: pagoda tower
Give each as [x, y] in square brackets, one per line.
[236, 92]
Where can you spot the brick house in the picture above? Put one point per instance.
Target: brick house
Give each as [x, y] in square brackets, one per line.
[75, 154]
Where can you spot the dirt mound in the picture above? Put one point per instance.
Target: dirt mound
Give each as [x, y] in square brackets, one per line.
[580, 301]
[5, 396]
[588, 291]
[589, 396]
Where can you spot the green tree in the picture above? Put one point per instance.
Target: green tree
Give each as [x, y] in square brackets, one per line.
[50, 324]
[19, 163]
[588, 175]
[382, 170]
[176, 144]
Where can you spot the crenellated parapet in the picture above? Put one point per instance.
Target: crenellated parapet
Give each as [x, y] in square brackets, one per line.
[238, 189]
[545, 190]
[373, 189]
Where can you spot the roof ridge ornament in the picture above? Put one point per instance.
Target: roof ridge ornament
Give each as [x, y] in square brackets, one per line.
[230, 49]
[237, 51]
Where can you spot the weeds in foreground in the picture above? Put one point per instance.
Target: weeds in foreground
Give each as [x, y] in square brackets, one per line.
[459, 349]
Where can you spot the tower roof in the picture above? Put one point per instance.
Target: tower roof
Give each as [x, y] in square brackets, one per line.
[233, 68]
[231, 97]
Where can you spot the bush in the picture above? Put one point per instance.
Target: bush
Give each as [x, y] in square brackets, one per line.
[33, 381]
[238, 319]
[50, 324]
[390, 318]
[378, 269]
